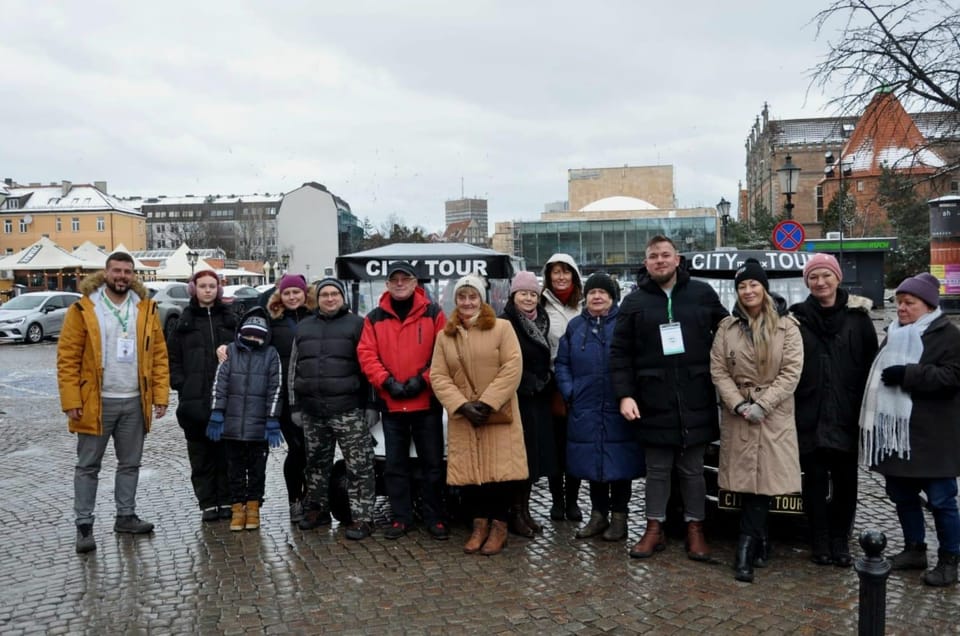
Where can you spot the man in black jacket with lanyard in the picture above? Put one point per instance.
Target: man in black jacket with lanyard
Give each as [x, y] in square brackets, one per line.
[660, 369]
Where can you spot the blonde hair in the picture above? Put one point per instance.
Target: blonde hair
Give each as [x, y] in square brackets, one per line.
[763, 328]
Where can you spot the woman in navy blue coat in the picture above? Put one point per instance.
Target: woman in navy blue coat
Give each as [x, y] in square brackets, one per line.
[601, 445]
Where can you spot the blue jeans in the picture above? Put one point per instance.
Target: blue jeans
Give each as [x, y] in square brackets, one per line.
[426, 430]
[122, 419]
[942, 501]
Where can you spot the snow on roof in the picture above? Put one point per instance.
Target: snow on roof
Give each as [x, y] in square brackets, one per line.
[199, 199]
[618, 204]
[50, 198]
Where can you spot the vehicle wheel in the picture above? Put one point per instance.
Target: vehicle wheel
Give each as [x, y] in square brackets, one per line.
[170, 325]
[339, 500]
[34, 333]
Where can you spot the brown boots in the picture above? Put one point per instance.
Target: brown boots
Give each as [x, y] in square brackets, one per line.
[697, 548]
[238, 518]
[653, 540]
[253, 515]
[487, 538]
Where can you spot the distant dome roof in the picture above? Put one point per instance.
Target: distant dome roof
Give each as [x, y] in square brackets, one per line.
[618, 204]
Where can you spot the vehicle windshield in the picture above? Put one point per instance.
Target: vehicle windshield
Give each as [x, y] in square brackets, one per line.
[27, 301]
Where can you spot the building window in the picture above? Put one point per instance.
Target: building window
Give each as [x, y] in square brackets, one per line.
[9, 250]
[45, 235]
[75, 224]
[101, 224]
[859, 186]
[23, 226]
[13, 204]
[820, 203]
[52, 201]
[7, 226]
[59, 225]
[955, 186]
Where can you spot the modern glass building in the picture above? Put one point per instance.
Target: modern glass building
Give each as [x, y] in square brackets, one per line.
[615, 246]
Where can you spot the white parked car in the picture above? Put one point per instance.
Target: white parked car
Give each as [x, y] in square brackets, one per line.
[33, 316]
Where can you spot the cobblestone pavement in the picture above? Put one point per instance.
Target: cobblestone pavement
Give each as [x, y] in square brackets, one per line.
[190, 577]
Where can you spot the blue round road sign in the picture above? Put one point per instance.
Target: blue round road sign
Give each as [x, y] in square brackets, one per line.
[788, 235]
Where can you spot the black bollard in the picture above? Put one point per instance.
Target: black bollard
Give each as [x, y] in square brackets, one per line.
[873, 570]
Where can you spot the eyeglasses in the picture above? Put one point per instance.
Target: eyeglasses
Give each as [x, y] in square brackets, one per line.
[400, 280]
[329, 294]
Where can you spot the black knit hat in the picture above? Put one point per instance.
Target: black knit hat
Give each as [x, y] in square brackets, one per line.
[752, 270]
[602, 280]
[329, 281]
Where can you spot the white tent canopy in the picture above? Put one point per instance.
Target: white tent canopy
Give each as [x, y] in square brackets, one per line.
[90, 253]
[137, 263]
[45, 255]
[178, 268]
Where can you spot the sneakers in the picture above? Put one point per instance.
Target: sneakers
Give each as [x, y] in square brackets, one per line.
[439, 531]
[359, 530]
[210, 514]
[396, 530]
[132, 524]
[85, 540]
[314, 519]
[296, 511]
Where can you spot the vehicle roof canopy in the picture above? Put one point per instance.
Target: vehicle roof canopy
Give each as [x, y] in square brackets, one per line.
[430, 261]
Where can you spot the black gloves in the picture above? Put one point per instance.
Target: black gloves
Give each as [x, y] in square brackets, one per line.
[394, 388]
[414, 386]
[476, 412]
[893, 376]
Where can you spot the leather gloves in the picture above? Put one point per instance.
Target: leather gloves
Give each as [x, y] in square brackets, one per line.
[272, 434]
[371, 417]
[414, 386]
[754, 414]
[215, 426]
[893, 376]
[475, 412]
[394, 388]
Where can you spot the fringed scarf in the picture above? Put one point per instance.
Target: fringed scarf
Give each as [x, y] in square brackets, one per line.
[885, 412]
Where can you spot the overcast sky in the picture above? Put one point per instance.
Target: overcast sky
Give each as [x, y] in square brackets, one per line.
[391, 104]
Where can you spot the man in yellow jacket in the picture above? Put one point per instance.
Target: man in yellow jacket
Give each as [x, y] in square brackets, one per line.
[113, 376]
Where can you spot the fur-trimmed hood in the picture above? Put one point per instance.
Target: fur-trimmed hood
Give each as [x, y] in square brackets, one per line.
[486, 320]
[92, 283]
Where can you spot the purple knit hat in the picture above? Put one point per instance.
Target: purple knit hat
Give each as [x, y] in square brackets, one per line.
[293, 280]
[924, 286]
[524, 281]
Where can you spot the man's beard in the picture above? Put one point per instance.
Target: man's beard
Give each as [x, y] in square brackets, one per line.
[113, 286]
[660, 279]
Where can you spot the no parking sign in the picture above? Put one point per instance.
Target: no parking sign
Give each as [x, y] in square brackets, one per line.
[788, 235]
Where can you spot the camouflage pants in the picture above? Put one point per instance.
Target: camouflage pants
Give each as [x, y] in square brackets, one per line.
[322, 434]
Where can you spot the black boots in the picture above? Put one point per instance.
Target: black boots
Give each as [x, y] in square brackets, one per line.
[946, 571]
[565, 491]
[743, 563]
[840, 552]
[913, 557]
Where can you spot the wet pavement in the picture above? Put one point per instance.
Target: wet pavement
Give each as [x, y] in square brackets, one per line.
[190, 577]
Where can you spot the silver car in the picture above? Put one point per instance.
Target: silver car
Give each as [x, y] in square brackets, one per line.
[33, 316]
[172, 298]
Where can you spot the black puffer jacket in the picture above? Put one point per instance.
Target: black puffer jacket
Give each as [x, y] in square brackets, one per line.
[325, 371]
[283, 330]
[192, 349]
[247, 386]
[839, 345]
[675, 394]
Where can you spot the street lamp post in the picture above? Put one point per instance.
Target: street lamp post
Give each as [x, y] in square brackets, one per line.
[192, 258]
[723, 209]
[789, 175]
[284, 262]
[845, 168]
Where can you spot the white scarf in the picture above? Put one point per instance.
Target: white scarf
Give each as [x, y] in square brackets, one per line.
[885, 412]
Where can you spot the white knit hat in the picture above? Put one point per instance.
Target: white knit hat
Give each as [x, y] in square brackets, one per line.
[471, 280]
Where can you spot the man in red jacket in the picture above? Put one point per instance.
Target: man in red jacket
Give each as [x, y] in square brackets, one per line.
[395, 351]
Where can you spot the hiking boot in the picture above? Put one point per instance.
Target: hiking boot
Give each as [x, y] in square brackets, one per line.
[697, 549]
[396, 530]
[85, 540]
[497, 539]
[840, 552]
[439, 531]
[913, 557]
[618, 527]
[238, 517]
[653, 540]
[359, 530]
[314, 519]
[481, 529]
[296, 511]
[132, 524]
[597, 524]
[944, 574]
[210, 514]
[253, 516]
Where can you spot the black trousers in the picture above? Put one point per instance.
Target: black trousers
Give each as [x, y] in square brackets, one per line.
[490, 501]
[753, 515]
[829, 519]
[246, 469]
[610, 496]
[295, 465]
[208, 472]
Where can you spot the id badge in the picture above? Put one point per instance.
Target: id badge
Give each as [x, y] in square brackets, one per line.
[126, 348]
[671, 337]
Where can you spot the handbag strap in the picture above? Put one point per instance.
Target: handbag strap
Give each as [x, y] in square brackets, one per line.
[463, 366]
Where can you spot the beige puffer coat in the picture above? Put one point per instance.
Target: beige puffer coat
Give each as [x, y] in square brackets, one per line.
[491, 355]
[764, 458]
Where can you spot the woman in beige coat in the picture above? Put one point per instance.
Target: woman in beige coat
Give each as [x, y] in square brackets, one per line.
[755, 362]
[475, 373]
